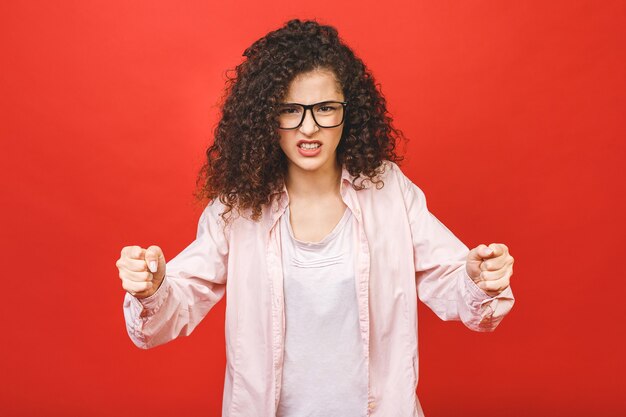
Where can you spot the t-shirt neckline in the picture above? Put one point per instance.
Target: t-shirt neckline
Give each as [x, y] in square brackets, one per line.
[330, 236]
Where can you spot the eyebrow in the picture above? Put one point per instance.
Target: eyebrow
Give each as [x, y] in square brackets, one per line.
[323, 101]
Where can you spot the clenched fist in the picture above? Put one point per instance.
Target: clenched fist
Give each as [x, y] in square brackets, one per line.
[490, 267]
[141, 270]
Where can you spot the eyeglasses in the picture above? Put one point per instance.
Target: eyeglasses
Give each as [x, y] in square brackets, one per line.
[325, 114]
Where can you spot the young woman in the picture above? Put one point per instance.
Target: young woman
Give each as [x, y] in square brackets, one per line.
[320, 242]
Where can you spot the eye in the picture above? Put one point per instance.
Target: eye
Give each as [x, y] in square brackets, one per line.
[327, 108]
[290, 110]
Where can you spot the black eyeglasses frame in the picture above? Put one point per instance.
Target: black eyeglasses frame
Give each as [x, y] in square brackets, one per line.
[310, 107]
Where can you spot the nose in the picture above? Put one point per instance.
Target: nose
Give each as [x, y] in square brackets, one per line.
[308, 126]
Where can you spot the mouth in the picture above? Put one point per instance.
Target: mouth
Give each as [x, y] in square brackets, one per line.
[308, 145]
[309, 148]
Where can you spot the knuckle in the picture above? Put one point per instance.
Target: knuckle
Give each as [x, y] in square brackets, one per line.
[154, 248]
[135, 252]
[138, 266]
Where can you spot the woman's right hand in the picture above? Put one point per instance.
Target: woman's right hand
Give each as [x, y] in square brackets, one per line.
[141, 270]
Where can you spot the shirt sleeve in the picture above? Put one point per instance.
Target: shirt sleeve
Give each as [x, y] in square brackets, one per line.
[440, 269]
[195, 280]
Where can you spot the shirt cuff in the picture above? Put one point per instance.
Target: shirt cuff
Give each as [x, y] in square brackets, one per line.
[477, 294]
[148, 306]
[487, 305]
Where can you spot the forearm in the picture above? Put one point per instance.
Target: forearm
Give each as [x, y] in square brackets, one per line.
[174, 310]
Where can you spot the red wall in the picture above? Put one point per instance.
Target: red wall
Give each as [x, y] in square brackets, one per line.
[516, 117]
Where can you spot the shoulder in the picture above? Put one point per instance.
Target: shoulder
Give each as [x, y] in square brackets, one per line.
[213, 209]
[390, 168]
[394, 175]
[212, 219]
[238, 220]
[391, 174]
[387, 170]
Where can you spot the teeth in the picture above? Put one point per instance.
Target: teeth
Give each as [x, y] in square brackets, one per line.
[310, 145]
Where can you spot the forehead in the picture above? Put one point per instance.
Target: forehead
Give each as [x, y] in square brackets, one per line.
[313, 87]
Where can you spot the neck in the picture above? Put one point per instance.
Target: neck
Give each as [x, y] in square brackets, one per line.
[307, 183]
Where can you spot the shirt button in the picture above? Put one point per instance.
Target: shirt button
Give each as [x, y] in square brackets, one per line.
[371, 405]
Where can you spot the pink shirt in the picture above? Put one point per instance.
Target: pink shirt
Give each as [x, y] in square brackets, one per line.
[403, 252]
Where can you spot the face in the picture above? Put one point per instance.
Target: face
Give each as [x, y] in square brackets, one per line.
[312, 148]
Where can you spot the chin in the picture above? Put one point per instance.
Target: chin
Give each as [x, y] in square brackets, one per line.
[309, 164]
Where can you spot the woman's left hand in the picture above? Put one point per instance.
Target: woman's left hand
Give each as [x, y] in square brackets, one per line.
[490, 267]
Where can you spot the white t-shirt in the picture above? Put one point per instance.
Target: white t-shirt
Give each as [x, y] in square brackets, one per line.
[324, 365]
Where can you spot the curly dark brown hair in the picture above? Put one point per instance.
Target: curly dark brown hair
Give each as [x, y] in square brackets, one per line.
[245, 166]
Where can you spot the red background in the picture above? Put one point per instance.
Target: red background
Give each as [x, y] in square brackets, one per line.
[515, 113]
